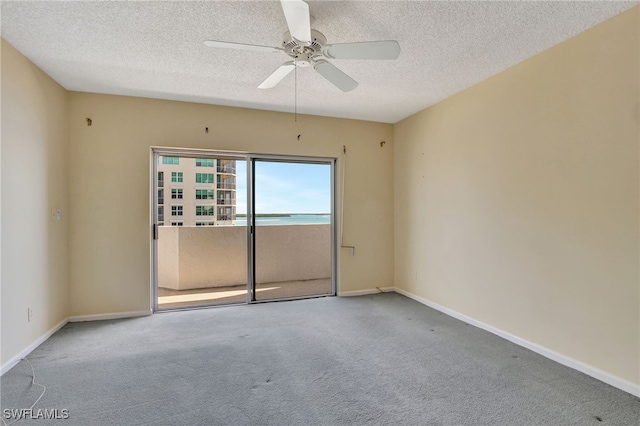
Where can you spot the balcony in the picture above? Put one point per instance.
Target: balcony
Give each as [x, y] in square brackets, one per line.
[227, 169]
[192, 258]
[226, 185]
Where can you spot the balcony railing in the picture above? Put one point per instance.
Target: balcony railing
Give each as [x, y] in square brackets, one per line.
[226, 185]
[216, 256]
[227, 169]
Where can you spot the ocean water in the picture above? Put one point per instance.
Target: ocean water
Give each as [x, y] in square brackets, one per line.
[293, 219]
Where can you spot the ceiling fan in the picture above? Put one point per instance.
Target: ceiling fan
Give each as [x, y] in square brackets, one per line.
[308, 47]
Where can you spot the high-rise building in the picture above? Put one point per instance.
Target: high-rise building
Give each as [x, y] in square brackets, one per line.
[196, 191]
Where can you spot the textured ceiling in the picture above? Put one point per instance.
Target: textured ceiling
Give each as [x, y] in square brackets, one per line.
[154, 49]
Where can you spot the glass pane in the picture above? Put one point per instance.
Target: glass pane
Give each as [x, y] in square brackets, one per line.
[293, 229]
[202, 258]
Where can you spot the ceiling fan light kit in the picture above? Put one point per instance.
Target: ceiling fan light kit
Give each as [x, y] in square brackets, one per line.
[308, 47]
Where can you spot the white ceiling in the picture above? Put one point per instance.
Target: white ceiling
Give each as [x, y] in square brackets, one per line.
[154, 49]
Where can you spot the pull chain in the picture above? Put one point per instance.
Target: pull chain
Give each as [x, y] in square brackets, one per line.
[295, 91]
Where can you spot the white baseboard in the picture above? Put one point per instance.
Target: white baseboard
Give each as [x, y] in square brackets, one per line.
[365, 292]
[26, 351]
[115, 315]
[594, 372]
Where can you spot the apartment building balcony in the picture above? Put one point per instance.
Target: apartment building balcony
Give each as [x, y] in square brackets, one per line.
[226, 185]
[226, 169]
[196, 261]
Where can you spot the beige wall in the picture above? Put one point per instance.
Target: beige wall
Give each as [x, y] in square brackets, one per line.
[216, 256]
[109, 186]
[293, 253]
[34, 181]
[168, 254]
[517, 200]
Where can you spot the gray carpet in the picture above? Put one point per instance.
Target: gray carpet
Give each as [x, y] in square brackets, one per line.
[374, 360]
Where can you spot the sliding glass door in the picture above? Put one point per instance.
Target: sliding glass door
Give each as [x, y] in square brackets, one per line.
[237, 228]
[201, 247]
[292, 229]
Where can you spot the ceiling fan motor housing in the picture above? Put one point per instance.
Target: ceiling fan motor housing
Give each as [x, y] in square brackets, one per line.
[304, 54]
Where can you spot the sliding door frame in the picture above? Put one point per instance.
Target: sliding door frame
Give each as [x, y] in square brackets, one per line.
[250, 159]
[251, 219]
[185, 153]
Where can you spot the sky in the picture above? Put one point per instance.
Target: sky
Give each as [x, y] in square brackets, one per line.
[286, 187]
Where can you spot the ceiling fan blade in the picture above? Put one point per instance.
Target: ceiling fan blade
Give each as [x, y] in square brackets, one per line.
[277, 75]
[241, 46]
[387, 49]
[296, 13]
[335, 76]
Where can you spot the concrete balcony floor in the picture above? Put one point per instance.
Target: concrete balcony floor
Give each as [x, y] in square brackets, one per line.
[172, 299]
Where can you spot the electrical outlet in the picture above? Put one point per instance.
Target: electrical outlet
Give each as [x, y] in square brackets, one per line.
[56, 214]
[415, 275]
[29, 314]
